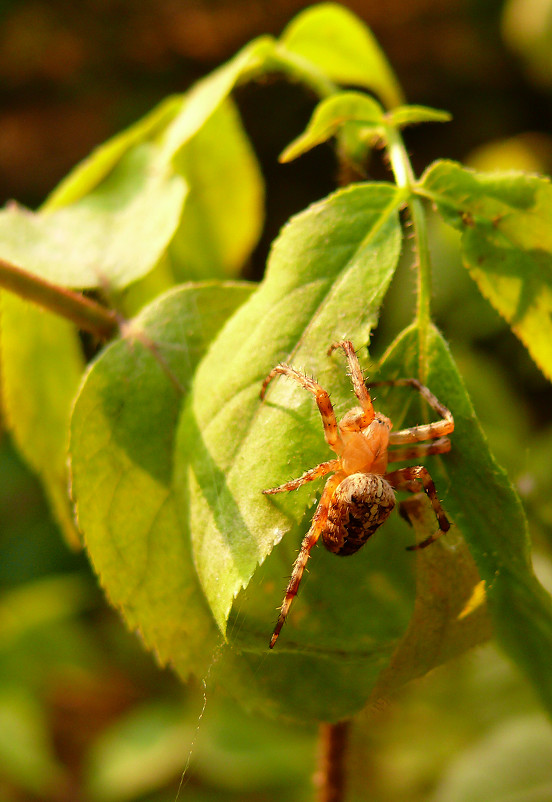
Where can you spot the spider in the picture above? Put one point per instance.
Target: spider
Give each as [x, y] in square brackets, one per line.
[360, 495]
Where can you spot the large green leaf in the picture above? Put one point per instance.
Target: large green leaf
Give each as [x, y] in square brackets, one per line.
[342, 48]
[326, 277]
[506, 220]
[122, 441]
[41, 368]
[487, 511]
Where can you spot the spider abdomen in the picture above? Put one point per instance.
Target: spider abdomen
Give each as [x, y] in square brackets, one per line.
[359, 506]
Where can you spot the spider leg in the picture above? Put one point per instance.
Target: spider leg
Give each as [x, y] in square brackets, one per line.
[314, 473]
[357, 379]
[428, 431]
[322, 399]
[419, 450]
[407, 479]
[310, 540]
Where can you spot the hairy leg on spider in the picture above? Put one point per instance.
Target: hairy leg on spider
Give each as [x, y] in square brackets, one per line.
[428, 431]
[319, 470]
[321, 397]
[407, 479]
[419, 450]
[310, 540]
[357, 380]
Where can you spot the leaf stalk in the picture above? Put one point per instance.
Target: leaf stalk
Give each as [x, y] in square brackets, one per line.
[86, 313]
[405, 178]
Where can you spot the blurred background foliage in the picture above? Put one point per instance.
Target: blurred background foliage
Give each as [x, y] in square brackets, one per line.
[85, 713]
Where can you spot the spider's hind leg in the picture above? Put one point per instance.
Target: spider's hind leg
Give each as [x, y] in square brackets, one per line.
[407, 479]
[427, 431]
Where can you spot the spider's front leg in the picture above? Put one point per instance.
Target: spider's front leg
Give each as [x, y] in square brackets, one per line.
[331, 432]
[309, 476]
[309, 541]
[357, 379]
[407, 479]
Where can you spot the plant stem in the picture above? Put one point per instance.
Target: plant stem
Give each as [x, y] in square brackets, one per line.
[84, 312]
[404, 176]
[330, 777]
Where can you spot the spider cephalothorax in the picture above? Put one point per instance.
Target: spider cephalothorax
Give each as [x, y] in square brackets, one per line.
[360, 495]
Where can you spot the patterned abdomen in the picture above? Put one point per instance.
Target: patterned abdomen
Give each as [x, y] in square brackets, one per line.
[359, 505]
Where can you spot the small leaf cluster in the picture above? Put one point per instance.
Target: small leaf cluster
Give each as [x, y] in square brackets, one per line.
[170, 446]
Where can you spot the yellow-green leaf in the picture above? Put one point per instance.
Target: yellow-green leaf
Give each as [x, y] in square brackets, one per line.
[343, 49]
[331, 115]
[506, 220]
[122, 441]
[41, 368]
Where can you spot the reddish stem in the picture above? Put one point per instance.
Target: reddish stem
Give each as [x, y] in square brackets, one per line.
[330, 777]
[84, 312]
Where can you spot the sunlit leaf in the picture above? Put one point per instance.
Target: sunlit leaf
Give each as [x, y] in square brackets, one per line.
[223, 212]
[41, 369]
[122, 440]
[111, 220]
[91, 171]
[327, 274]
[338, 43]
[506, 220]
[412, 115]
[112, 236]
[332, 114]
[207, 95]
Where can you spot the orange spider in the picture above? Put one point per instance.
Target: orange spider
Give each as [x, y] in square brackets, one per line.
[360, 495]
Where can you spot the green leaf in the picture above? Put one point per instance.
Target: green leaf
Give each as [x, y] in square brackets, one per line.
[332, 114]
[86, 176]
[208, 94]
[327, 274]
[506, 220]
[122, 440]
[487, 511]
[112, 219]
[42, 365]
[113, 235]
[189, 112]
[412, 115]
[450, 614]
[223, 212]
[343, 49]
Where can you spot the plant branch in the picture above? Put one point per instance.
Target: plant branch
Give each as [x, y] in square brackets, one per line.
[84, 312]
[404, 176]
[330, 776]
